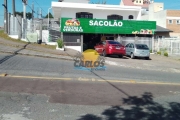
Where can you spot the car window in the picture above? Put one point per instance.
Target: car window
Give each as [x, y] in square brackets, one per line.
[142, 46]
[114, 42]
[127, 45]
[131, 46]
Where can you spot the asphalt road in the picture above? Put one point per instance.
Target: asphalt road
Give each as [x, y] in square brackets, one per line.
[46, 92]
[32, 99]
[45, 67]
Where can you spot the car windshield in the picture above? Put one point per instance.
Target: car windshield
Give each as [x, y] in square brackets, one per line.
[114, 42]
[141, 46]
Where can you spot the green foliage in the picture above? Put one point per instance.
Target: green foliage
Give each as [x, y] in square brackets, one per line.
[159, 52]
[166, 54]
[60, 43]
[28, 14]
[50, 16]
[150, 51]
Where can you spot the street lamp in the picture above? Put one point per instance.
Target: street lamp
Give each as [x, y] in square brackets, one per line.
[48, 16]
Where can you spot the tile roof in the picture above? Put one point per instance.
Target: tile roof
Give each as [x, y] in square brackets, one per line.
[162, 29]
[130, 3]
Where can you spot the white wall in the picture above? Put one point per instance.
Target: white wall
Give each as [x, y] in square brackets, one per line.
[160, 18]
[145, 17]
[99, 14]
[45, 35]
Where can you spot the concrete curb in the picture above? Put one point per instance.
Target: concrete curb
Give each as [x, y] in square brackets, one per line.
[38, 55]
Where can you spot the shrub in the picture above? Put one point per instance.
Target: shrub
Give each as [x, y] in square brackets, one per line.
[150, 51]
[60, 43]
[166, 54]
[159, 53]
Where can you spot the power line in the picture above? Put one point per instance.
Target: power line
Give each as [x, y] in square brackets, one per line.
[40, 7]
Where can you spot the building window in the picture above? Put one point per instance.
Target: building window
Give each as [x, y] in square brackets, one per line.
[140, 1]
[115, 17]
[170, 21]
[84, 15]
[136, 1]
[131, 17]
[178, 21]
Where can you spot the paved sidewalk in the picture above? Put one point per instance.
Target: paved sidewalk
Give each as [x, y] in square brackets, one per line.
[7, 46]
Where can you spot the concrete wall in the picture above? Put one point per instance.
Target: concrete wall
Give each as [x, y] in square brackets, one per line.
[160, 18]
[145, 17]
[99, 14]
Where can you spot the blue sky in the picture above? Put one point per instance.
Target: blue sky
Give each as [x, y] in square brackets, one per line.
[45, 4]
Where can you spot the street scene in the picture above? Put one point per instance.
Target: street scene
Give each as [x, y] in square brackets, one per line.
[89, 60]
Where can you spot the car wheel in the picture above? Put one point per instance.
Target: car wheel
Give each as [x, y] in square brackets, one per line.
[120, 56]
[132, 56]
[147, 58]
[104, 53]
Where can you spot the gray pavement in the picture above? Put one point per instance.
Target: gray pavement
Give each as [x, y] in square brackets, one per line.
[46, 67]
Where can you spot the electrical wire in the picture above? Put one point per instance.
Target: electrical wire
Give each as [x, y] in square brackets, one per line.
[40, 7]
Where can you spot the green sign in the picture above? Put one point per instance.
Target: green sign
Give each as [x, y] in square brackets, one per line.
[83, 25]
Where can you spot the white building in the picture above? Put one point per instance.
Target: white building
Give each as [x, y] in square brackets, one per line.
[169, 19]
[114, 22]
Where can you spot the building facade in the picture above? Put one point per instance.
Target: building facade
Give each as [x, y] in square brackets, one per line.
[81, 23]
[168, 19]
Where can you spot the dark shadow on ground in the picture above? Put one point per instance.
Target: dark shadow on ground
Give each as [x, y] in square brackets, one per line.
[116, 56]
[14, 54]
[140, 108]
[120, 90]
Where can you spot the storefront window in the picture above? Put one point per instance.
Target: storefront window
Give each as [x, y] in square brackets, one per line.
[115, 17]
[84, 15]
[131, 17]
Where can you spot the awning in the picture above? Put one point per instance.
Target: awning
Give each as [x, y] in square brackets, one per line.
[162, 29]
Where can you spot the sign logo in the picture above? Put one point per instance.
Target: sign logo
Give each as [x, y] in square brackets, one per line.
[72, 25]
[89, 60]
[72, 22]
[143, 31]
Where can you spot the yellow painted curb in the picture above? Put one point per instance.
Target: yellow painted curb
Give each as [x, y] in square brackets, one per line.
[35, 77]
[3, 75]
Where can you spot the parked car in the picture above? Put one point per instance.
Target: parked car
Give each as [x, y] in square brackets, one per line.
[110, 47]
[137, 50]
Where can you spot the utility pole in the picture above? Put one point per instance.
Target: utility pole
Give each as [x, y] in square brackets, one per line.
[32, 11]
[13, 8]
[24, 8]
[5, 17]
[14, 14]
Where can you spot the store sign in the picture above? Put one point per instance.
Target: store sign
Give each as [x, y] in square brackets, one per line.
[83, 25]
[105, 23]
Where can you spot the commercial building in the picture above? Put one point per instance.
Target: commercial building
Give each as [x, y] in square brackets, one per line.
[169, 19]
[82, 23]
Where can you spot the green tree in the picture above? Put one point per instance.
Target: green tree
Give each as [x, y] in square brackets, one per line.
[50, 16]
[28, 15]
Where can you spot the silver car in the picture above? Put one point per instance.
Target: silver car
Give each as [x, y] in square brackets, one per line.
[137, 50]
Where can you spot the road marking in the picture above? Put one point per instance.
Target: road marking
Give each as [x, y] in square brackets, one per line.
[35, 77]
[92, 79]
[3, 74]
[83, 79]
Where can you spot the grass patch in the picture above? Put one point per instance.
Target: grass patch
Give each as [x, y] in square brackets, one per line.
[6, 37]
[45, 46]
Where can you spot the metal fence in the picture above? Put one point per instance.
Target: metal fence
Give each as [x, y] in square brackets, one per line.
[170, 45]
